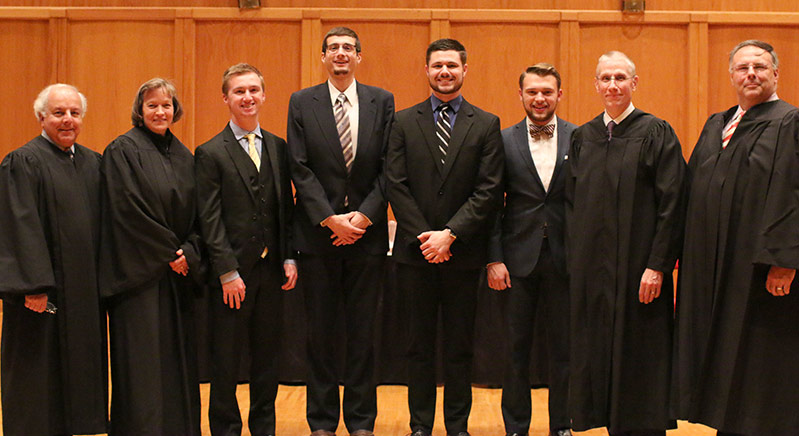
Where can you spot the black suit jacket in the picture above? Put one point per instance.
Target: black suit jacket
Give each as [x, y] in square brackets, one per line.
[530, 211]
[320, 174]
[228, 205]
[463, 195]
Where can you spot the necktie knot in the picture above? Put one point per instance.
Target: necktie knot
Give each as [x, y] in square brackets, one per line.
[611, 125]
[726, 135]
[541, 132]
[252, 151]
[341, 99]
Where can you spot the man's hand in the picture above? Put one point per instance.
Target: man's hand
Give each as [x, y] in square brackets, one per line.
[36, 303]
[233, 293]
[180, 265]
[779, 279]
[290, 270]
[651, 281]
[435, 245]
[359, 220]
[344, 233]
[498, 276]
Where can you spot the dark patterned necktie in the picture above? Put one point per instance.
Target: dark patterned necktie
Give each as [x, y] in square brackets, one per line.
[443, 130]
[344, 133]
[611, 125]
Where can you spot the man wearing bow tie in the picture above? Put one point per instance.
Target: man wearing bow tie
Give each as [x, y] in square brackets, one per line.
[527, 253]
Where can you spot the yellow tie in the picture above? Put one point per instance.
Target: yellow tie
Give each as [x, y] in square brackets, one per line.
[253, 152]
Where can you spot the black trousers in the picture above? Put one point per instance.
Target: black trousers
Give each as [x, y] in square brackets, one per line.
[351, 281]
[454, 292]
[549, 287]
[256, 323]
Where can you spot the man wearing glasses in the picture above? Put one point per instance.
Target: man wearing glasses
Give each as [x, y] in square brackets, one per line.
[738, 338]
[625, 228]
[337, 135]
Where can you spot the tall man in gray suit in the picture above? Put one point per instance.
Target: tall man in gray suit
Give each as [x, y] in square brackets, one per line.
[245, 206]
[337, 134]
[444, 171]
[527, 249]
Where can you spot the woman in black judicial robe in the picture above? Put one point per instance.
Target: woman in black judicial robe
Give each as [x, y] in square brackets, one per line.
[150, 256]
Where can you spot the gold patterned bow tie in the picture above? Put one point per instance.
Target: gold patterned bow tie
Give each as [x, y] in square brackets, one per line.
[541, 132]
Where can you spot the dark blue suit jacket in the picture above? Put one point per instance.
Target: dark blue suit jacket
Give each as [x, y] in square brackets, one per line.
[530, 211]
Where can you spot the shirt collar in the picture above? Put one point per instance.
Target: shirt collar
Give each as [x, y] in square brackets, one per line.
[606, 118]
[455, 103]
[239, 133]
[44, 134]
[351, 92]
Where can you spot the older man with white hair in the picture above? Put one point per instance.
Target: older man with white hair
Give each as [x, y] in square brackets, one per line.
[624, 231]
[54, 378]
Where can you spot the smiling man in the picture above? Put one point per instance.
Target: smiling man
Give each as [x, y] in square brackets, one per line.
[337, 133]
[738, 342]
[245, 207]
[54, 377]
[528, 259]
[444, 170]
[624, 227]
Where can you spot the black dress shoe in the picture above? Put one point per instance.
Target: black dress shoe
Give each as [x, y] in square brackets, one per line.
[515, 434]
[561, 432]
[420, 432]
[463, 433]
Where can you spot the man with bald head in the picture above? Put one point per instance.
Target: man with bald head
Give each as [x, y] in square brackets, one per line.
[738, 338]
[624, 231]
[54, 379]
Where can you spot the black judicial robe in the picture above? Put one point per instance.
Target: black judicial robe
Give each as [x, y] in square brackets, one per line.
[625, 216]
[148, 214]
[54, 375]
[737, 345]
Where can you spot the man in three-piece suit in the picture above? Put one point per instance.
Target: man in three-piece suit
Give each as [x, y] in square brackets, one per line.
[245, 206]
[444, 171]
[337, 135]
[527, 249]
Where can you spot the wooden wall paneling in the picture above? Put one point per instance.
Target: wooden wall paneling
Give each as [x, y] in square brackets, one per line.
[498, 53]
[662, 88]
[311, 35]
[27, 64]
[697, 83]
[439, 25]
[184, 67]
[108, 60]
[723, 37]
[273, 46]
[392, 57]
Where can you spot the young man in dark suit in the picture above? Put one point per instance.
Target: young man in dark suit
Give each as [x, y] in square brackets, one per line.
[337, 134]
[444, 170]
[527, 249]
[246, 205]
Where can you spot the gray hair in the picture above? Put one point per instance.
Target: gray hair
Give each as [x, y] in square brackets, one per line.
[136, 113]
[775, 62]
[617, 54]
[40, 104]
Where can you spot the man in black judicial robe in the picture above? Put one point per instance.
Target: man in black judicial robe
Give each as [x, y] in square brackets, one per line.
[54, 376]
[245, 207]
[624, 230]
[738, 334]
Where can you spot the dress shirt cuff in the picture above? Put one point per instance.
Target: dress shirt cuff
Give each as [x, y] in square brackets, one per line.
[229, 276]
[289, 262]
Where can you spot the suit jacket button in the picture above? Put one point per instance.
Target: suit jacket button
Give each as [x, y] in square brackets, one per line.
[254, 217]
[252, 238]
[440, 192]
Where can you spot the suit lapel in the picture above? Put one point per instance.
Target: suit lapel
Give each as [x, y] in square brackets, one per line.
[564, 140]
[242, 162]
[521, 146]
[463, 122]
[367, 113]
[424, 118]
[269, 148]
[323, 112]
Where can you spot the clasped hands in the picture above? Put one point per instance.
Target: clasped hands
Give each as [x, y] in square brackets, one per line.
[435, 245]
[347, 228]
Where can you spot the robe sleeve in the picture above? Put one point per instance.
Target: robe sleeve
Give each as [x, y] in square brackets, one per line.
[25, 266]
[137, 244]
[663, 157]
[777, 240]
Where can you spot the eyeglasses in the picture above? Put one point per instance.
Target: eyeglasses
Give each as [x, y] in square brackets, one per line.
[347, 48]
[618, 79]
[744, 68]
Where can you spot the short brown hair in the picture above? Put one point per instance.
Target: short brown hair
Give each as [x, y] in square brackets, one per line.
[136, 114]
[341, 31]
[446, 44]
[542, 69]
[237, 70]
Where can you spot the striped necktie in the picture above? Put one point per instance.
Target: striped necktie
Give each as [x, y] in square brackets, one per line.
[443, 130]
[726, 135]
[344, 133]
